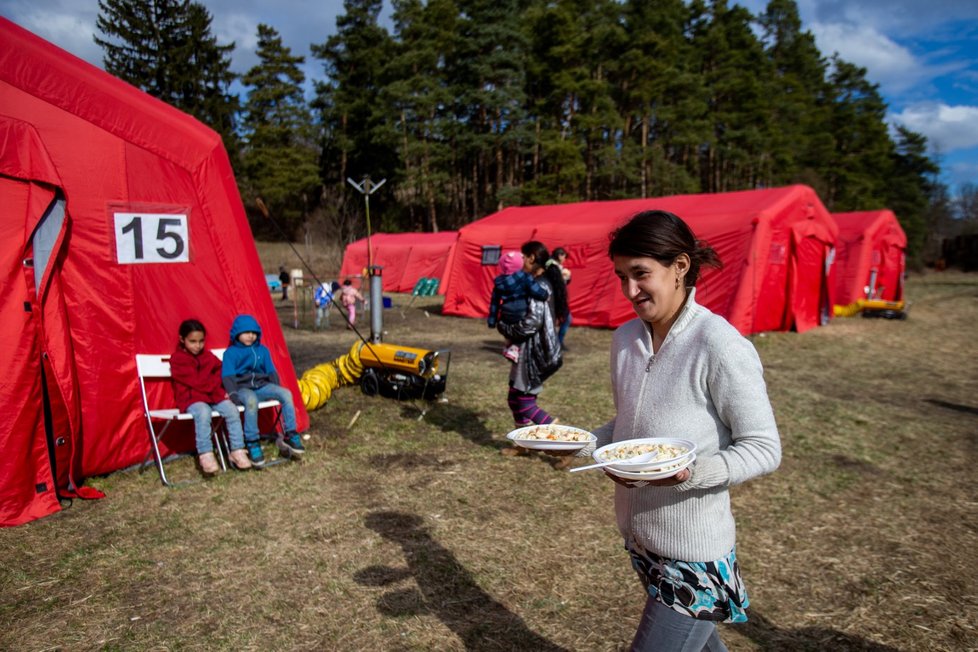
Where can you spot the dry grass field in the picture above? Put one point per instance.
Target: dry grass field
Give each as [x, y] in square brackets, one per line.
[404, 532]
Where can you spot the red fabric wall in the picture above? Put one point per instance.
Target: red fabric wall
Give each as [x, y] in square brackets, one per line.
[405, 258]
[108, 146]
[750, 230]
[869, 240]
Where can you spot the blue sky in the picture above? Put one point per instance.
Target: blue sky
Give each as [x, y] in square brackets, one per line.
[923, 55]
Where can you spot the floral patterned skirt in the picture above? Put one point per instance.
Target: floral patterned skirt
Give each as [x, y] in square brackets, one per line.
[711, 590]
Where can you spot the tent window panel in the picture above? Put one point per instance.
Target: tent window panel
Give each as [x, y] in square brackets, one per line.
[491, 254]
[45, 235]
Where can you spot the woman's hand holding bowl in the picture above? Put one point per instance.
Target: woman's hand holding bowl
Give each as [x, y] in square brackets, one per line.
[671, 481]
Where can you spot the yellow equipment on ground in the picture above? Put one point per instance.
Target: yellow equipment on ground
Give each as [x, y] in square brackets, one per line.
[403, 371]
[872, 308]
[386, 369]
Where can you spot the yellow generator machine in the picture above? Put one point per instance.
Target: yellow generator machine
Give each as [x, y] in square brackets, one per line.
[403, 371]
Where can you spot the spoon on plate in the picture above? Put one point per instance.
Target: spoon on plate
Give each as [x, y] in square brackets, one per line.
[638, 459]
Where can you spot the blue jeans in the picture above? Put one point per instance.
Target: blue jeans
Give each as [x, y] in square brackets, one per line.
[202, 424]
[322, 312]
[665, 630]
[563, 329]
[250, 398]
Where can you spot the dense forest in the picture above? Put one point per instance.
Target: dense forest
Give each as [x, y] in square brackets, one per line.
[466, 106]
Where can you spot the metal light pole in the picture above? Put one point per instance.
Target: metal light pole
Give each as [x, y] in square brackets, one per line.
[367, 187]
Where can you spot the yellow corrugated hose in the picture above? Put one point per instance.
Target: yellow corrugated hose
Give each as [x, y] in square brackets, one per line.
[317, 384]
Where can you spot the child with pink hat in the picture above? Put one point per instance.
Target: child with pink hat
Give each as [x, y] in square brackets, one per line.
[511, 291]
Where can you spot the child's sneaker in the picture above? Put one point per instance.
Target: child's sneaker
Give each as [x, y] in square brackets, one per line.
[208, 463]
[255, 455]
[291, 445]
[512, 353]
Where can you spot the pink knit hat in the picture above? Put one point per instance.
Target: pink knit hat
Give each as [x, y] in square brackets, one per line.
[511, 261]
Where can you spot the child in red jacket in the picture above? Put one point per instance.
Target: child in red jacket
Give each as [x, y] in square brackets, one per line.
[197, 388]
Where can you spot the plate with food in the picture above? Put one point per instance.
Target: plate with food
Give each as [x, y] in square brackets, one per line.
[665, 471]
[551, 436]
[645, 454]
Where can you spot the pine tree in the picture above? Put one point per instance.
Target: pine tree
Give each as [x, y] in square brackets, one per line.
[357, 139]
[280, 153]
[419, 101]
[165, 47]
[555, 75]
[910, 187]
[487, 76]
[798, 94]
[734, 69]
[662, 101]
[857, 168]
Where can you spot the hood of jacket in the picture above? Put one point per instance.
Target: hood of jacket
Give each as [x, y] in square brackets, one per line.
[244, 324]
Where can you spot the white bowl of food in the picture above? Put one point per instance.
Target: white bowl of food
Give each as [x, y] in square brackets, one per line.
[647, 455]
[666, 471]
[551, 436]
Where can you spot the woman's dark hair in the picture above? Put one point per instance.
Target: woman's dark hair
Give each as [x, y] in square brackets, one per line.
[541, 257]
[558, 252]
[663, 236]
[188, 326]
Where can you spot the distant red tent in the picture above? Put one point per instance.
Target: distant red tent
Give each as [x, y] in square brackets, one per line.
[405, 257]
[775, 245]
[121, 218]
[871, 253]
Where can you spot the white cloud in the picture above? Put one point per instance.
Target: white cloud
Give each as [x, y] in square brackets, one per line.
[948, 128]
[889, 64]
[900, 18]
[61, 23]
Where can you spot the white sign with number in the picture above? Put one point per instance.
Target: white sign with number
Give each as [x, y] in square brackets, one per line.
[151, 238]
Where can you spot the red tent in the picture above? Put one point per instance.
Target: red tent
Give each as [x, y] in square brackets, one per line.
[121, 218]
[870, 254]
[775, 245]
[405, 257]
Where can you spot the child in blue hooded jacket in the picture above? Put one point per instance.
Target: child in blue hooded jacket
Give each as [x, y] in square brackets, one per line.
[249, 377]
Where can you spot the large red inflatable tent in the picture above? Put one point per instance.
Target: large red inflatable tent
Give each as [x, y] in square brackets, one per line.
[121, 218]
[870, 257]
[405, 258]
[775, 245]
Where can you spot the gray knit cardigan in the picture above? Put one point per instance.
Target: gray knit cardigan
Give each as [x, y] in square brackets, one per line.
[705, 384]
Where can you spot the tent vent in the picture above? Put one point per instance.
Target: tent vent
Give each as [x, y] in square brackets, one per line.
[41, 488]
[490, 254]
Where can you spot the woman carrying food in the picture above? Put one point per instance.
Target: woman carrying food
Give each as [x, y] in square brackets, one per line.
[678, 370]
[540, 354]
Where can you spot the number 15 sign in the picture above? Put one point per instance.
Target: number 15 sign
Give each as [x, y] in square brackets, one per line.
[151, 238]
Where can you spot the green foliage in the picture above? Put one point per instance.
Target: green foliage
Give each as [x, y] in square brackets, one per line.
[358, 140]
[165, 47]
[467, 106]
[280, 142]
[911, 189]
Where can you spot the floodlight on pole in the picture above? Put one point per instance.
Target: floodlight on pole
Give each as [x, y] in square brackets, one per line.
[367, 187]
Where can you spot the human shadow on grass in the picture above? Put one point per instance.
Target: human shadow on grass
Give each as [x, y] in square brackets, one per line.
[957, 407]
[449, 417]
[771, 638]
[444, 588]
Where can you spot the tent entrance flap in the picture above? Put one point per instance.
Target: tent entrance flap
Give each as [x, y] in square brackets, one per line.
[27, 484]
